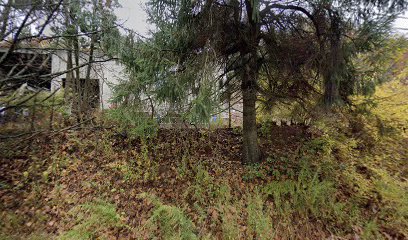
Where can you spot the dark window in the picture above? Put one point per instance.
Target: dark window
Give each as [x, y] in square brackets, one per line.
[92, 88]
[27, 68]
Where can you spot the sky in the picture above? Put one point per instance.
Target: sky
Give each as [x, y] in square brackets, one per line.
[402, 22]
[135, 17]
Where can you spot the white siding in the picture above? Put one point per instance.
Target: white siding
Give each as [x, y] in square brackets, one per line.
[108, 73]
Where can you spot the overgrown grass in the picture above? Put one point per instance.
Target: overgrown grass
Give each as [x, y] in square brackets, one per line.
[203, 188]
[168, 222]
[93, 220]
[333, 185]
[259, 217]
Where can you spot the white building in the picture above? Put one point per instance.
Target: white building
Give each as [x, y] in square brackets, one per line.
[40, 66]
[105, 72]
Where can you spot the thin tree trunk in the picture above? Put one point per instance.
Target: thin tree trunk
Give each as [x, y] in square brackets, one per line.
[151, 107]
[69, 76]
[228, 88]
[229, 111]
[5, 19]
[78, 90]
[88, 88]
[250, 147]
[68, 92]
[52, 112]
[72, 92]
[33, 114]
[87, 97]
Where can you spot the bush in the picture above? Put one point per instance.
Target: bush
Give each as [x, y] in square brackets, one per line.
[308, 197]
[168, 222]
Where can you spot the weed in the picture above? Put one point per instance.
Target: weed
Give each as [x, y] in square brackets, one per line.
[223, 193]
[126, 169]
[36, 192]
[370, 231]
[323, 144]
[168, 222]
[183, 167]
[259, 221]
[385, 195]
[307, 197]
[133, 122]
[4, 185]
[94, 219]
[203, 189]
[282, 166]
[107, 148]
[266, 126]
[394, 200]
[139, 166]
[147, 168]
[237, 131]
[229, 212]
[254, 172]
[229, 221]
[10, 222]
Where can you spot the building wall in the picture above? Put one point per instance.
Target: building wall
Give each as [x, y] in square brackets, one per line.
[108, 73]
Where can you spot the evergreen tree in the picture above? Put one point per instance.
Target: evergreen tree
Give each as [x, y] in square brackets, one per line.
[299, 47]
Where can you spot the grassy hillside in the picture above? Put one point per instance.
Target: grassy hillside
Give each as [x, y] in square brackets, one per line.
[343, 177]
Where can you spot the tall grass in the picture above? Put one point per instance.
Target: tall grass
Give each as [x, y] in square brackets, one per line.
[93, 220]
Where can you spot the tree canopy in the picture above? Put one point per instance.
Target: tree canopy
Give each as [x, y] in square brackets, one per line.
[272, 51]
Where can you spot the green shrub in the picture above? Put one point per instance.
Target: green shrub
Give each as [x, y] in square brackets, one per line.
[133, 121]
[229, 221]
[370, 231]
[229, 210]
[168, 222]
[203, 189]
[394, 201]
[254, 172]
[307, 197]
[145, 165]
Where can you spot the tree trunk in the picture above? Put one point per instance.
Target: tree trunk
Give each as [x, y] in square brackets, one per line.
[69, 76]
[229, 95]
[331, 89]
[77, 88]
[332, 72]
[5, 19]
[250, 147]
[88, 92]
[229, 111]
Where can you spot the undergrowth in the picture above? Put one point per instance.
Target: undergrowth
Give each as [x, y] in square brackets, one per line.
[343, 179]
[93, 220]
[168, 222]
